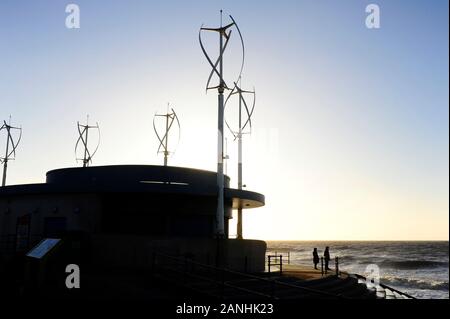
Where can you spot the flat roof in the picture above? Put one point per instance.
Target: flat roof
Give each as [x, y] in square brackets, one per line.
[135, 179]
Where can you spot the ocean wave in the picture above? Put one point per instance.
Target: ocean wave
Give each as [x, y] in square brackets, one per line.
[413, 264]
[415, 283]
[345, 258]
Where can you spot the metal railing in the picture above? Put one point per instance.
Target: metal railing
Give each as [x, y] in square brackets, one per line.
[324, 269]
[221, 278]
[275, 260]
[287, 255]
[278, 257]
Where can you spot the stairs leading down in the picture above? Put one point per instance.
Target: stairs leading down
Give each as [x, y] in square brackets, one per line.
[206, 280]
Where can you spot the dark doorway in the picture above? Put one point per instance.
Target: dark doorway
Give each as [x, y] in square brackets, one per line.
[23, 232]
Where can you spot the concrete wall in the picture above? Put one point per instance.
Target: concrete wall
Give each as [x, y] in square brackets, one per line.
[82, 212]
[137, 251]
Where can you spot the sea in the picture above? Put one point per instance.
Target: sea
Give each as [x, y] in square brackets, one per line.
[417, 268]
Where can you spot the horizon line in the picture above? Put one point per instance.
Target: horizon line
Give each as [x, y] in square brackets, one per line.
[362, 240]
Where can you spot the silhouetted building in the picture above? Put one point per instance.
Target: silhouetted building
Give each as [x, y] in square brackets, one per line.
[124, 213]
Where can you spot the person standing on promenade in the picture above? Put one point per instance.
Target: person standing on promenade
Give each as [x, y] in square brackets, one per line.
[327, 258]
[315, 258]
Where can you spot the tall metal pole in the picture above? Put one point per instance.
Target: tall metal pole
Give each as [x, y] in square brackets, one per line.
[220, 216]
[217, 69]
[239, 221]
[166, 152]
[225, 151]
[85, 160]
[5, 163]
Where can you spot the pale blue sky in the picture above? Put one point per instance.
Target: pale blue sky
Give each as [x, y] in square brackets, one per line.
[351, 124]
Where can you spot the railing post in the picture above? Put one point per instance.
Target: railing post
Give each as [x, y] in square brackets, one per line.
[289, 257]
[337, 265]
[268, 263]
[321, 264]
[281, 264]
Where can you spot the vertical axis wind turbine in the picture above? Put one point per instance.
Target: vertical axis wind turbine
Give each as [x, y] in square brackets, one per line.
[9, 154]
[83, 131]
[217, 69]
[238, 135]
[164, 141]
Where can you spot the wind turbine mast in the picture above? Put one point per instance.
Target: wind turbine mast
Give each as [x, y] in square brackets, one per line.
[224, 37]
[170, 118]
[83, 131]
[237, 90]
[9, 154]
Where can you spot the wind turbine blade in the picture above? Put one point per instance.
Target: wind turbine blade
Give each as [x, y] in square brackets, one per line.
[14, 145]
[249, 114]
[157, 136]
[217, 62]
[79, 137]
[179, 127]
[98, 143]
[206, 55]
[243, 47]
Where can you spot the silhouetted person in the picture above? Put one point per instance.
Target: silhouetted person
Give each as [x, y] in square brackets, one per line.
[315, 258]
[326, 256]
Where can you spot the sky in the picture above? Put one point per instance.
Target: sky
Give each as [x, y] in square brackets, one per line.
[350, 129]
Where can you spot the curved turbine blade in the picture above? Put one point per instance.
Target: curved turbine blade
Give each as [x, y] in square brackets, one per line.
[179, 129]
[243, 47]
[79, 137]
[215, 65]
[167, 133]
[157, 135]
[231, 131]
[86, 128]
[98, 143]
[14, 145]
[89, 155]
[235, 90]
[170, 126]
[206, 55]
[8, 139]
[249, 114]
